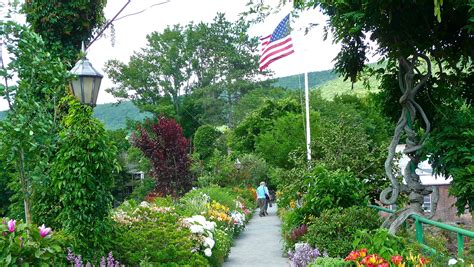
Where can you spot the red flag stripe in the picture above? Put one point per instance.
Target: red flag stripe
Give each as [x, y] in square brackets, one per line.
[266, 37]
[276, 52]
[275, 46]
[275, 59]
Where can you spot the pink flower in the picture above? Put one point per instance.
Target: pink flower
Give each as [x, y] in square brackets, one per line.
[44, 231]
[11, 225]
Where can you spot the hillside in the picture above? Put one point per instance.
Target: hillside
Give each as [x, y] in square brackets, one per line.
[114, 116]
[315, 79]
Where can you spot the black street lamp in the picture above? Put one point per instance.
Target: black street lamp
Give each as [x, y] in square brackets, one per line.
[87, 84]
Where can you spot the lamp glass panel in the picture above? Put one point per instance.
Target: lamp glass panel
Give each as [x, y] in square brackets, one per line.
[88, 83]
[76, 88]
[97, 81]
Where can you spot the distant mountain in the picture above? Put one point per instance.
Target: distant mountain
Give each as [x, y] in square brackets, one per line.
[114, 116]
[315, 79]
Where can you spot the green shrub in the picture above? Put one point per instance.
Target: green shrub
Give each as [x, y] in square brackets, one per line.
[332, 189]
[380, 241]
[221, 249]
[23, 245]
[153, 235]
[335, 229]
[204, 141]
[329, 262]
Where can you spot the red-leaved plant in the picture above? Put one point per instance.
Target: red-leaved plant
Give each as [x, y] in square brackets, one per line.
[162, 141]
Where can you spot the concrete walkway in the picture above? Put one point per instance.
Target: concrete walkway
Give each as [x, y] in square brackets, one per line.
[260, 244]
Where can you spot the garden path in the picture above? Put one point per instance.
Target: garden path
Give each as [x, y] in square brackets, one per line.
[260, 244]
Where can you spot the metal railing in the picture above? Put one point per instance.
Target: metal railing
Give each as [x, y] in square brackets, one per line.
[419, 220]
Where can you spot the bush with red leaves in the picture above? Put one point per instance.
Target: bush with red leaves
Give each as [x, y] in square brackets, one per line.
[162, 141]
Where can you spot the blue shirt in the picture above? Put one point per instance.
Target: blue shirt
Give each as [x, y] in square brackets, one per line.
[261, 191]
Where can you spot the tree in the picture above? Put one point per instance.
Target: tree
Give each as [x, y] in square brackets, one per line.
[410, 37]
[26, 132]
[163, 143]
[205, 141]
[212, 63]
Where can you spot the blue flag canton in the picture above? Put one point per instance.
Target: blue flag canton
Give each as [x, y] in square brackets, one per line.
[282, 30]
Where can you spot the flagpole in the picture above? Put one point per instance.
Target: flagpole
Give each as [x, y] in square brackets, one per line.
[308, 131]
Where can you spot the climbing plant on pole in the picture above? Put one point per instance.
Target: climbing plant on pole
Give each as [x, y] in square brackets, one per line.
[65, 24]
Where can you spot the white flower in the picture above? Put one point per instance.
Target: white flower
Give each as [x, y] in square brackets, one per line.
[209, 226]
[208, 252]
[209, 242]
[199, 219]
[452, 261]
[196, 229]
[144, 204]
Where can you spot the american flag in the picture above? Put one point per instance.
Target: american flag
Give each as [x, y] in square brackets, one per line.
[276, 45]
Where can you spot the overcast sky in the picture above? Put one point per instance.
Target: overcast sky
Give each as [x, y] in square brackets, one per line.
[311, 52]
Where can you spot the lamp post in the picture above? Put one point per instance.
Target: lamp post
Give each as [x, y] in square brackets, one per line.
[238, 165]
[87, 84]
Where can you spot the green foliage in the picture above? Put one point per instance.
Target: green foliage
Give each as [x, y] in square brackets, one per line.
[28, 132]
[253, 170]
[329, 262]
[335, 229]
[244, 136]
[451, 150]
[221, 171]
[25, 246]
[221, 249]
[64, 25]
[204, 141]
[142, 190]
[137, 243]
[330, 190]
[82, 179]
[381, 242]
[285, 135]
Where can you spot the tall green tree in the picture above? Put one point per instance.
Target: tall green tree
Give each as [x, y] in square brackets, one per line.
[411, 36]
[214, 63]
[26, 137]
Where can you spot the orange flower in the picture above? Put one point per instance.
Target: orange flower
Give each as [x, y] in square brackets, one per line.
[424, 261]
[353, 256]
[363, 252]
[372, 260]
[397, 259]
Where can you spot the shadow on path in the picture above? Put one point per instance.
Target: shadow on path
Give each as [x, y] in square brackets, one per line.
[260, 244]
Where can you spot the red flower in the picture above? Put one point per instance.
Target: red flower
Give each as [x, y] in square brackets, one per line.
[363, 252]
[397, 259]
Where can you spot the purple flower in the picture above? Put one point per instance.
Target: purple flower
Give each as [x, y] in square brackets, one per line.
[303, 255]
[11, 225]
[44, 231]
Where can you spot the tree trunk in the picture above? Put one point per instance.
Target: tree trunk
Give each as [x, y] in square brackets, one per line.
[24, 187]
[413, 187]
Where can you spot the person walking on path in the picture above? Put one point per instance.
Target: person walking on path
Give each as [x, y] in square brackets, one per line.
[262, 192]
